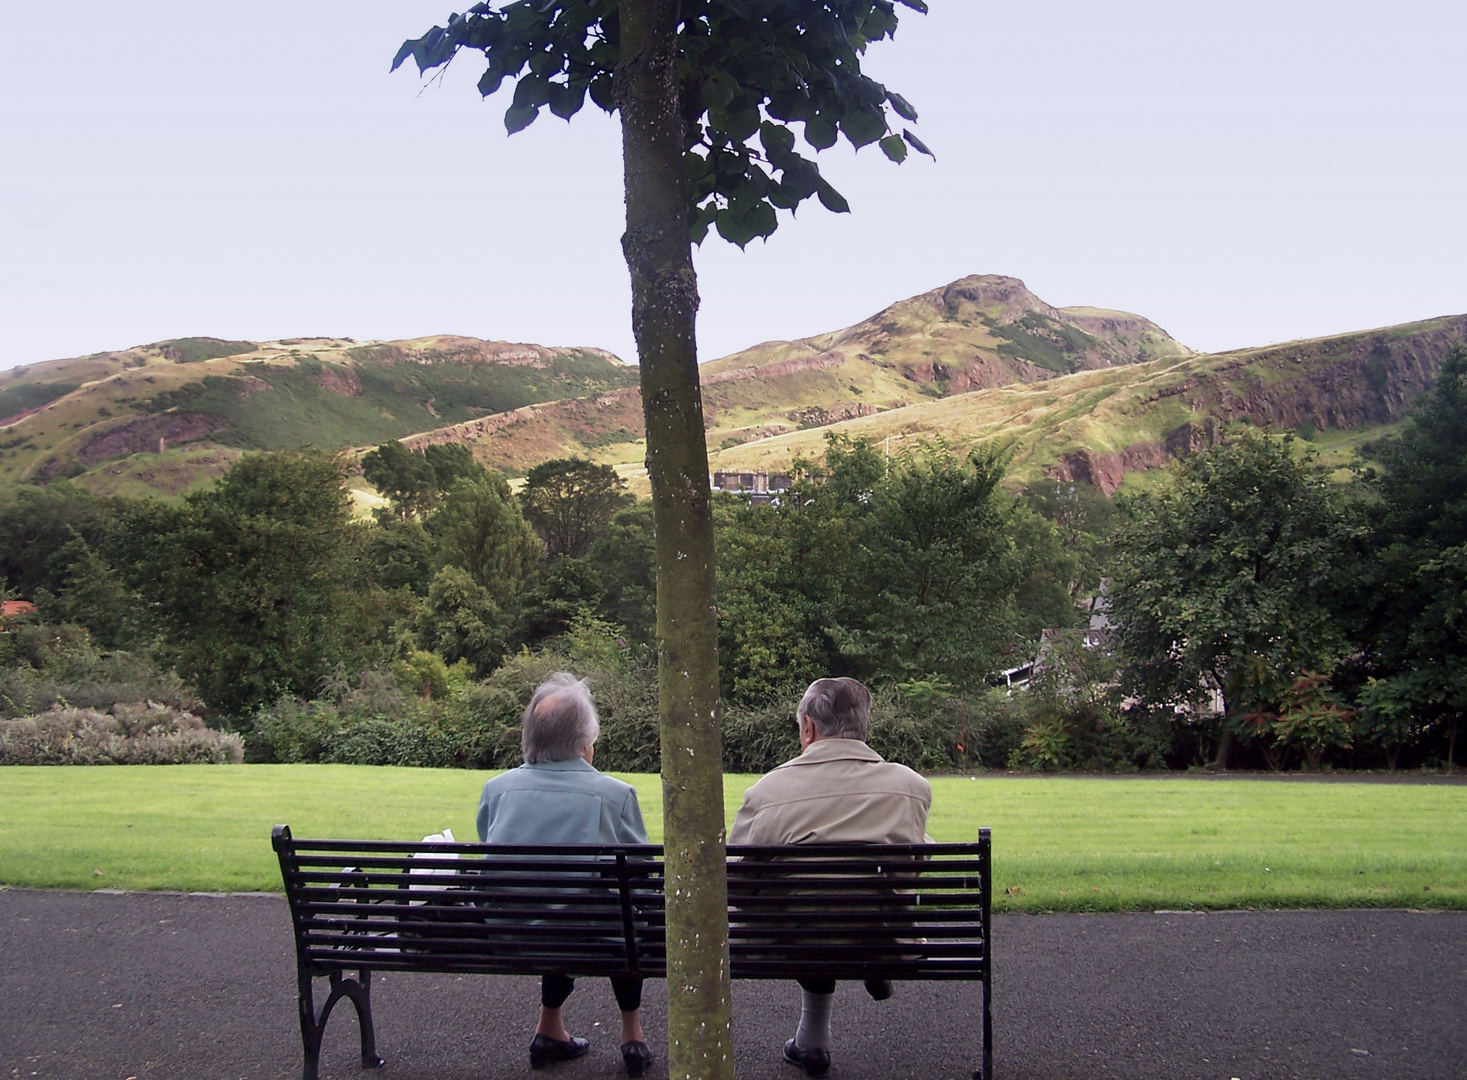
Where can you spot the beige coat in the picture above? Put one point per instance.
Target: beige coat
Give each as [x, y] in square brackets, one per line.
[837, 791]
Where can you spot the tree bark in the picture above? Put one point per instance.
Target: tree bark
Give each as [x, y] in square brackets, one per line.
[664, 308]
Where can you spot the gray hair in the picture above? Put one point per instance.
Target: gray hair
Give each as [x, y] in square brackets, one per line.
[839, 708]
[560, 721]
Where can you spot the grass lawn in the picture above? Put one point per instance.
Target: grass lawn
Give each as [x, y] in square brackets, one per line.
[1065, 844]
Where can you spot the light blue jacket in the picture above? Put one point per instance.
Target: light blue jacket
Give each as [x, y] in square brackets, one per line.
[559, 802]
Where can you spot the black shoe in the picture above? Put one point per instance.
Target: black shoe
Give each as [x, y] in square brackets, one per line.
[879, 989]
[814, 1062]
[545, 1051]
[636, 1057]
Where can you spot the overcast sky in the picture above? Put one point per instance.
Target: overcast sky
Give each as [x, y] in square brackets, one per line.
[1241, 173]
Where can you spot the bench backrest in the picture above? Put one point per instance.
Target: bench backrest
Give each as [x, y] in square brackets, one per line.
[843, 911]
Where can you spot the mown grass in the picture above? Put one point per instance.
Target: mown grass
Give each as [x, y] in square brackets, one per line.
[1060, 844]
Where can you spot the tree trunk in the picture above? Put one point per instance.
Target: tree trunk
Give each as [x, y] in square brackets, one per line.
[1230, 690]
[664, 307]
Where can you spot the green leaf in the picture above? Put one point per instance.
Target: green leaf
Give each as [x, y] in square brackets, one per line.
[893, 147]
[739, 125]
[546, 63]
[917, 144]
[719, 89]
[490, 81]
[702, 218]
[601, 93]
[519, 117]
[901, 106]
[732, 229]
[915, 5]
[778, 142]
[531, 90]
[790, 105]
[863, 125]
[831, 199]
[820, 132]
[566, 101]
[762, 219]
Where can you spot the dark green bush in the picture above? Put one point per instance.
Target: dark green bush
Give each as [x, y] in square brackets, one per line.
[43, 665]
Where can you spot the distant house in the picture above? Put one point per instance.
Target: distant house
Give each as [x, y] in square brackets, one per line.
[1097, 636]
[760, 487]
[10, 608]
[761, 482]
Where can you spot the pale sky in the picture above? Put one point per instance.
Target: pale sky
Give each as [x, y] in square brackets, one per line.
[1241, 173]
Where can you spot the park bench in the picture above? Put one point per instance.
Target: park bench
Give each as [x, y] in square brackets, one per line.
[843, 911]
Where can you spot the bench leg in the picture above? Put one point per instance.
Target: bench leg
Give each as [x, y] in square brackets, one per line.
[313, 1024]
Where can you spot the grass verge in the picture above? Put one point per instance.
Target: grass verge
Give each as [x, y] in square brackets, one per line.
[1060, 844]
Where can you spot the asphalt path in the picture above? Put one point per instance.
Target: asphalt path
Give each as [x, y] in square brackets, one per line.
[159, 986]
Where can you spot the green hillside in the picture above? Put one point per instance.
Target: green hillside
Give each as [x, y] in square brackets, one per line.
[167, 417]
[1075, 393]
[1105, 425]
[1114, 397]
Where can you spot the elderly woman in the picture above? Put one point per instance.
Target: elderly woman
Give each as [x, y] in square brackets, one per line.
[557, 797]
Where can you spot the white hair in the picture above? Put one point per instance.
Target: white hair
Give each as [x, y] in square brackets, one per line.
[839, 708]
[560, 721]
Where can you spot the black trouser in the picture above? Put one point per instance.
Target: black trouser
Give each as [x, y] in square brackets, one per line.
[554, 989]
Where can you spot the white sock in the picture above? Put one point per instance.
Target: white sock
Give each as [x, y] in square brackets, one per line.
[814, 1030]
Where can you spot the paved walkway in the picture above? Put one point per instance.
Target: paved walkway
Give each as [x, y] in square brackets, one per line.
[168, 987]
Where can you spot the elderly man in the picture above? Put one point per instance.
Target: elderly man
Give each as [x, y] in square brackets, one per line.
[558, 797]
[838, 790]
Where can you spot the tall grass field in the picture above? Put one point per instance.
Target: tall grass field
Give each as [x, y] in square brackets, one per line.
[1060, 844]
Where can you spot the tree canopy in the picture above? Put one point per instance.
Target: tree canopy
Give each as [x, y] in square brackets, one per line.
[747, 71]
[1415, 619]
[1226, 576]
[571, 501]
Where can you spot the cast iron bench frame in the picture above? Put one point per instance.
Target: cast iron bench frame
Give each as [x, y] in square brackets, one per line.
[842, 911]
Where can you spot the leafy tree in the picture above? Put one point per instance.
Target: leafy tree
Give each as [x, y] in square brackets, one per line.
[783, 572]
[1048, 568]
[462, 621]
[1385, 718]
[1085, 520]
[1226, 580]
[479, 528]
[625, 557]
[934, 576]
[406, 479]
[570, 501]
[452, 462]
[92, 594]
[253, 582]
[1414, 625]
[558, 593]
[36, 523]
[400, 552]
[694, 81]
[899, 573]
[413, 480]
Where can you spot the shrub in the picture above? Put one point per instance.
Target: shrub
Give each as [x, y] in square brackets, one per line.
[391, 742]
[43, 666]
[139, 734]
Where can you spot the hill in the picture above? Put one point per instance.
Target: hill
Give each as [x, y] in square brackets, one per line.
[976, 333]
[1103, 425]
[165, 417]
[1073, 393]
